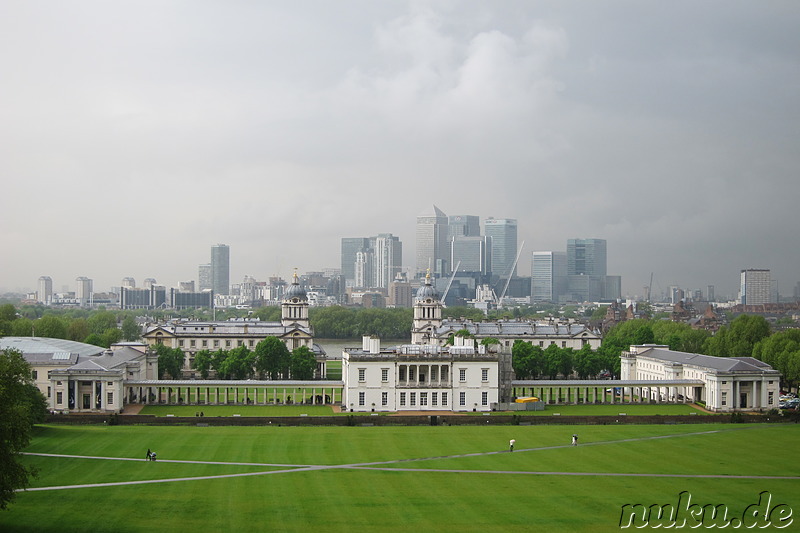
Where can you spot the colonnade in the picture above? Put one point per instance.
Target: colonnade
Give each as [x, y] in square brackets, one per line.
[235, 393]
[581, 393]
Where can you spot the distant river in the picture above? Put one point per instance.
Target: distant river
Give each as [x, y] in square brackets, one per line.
[334, 347]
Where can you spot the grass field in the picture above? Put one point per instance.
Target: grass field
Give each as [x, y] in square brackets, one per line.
[394, 478]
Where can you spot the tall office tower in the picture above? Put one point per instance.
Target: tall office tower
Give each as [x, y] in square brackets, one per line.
[351, 246]
[149, 283]
[83, 292]
[45, 293]
[463, 226]
[204, 277]
[755, 287]
[471, 254]
[432, 242]
[362, 270]
[710, 296]
[387, 259]
[128, 283]
[548, 276]
[586, 257]
[503, 233]
[220, 269]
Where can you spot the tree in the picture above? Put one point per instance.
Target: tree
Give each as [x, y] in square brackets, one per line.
[202, 362]
[303, 364]
[739, 338]
[50, 326]
[587, 362]
[78, 329]
[272, 358]
[522, 359]
[130, 329]
[782, 352]
[170, 361]
[100, 321]
[238, 364]
[20, 408]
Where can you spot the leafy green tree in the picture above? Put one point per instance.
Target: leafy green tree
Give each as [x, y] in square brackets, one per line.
[303, 364]
[238, 364]
[50, 326]
[522, 359]
[203, 361]
[78, 329]
[468, 313]
[587, 362]
[96, 340]
[738, 339]
[269, 314]
[782, 352]
[170, 361]
[111, 336]
[566, 361]
[22, 327]
[272, 358]
[8, 313]
[100, 321]
[20, 408]
[552, 361]
[130, 329]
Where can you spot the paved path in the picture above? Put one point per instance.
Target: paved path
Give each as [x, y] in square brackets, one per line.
[382, 466]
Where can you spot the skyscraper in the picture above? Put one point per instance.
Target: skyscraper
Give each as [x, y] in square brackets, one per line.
[45, 292]
[220, 269]
[473, 254]
[586, 257]
[388, 259]
[548, 276]
[204, 277]
[432, 242]
[351, 246]
[83, 291]
[755, 286]
[503, 234]
[463, 226]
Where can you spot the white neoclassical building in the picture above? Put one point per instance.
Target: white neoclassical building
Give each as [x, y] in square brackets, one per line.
[426, 375]
[725, 383]
[294, 329]
[78, 377]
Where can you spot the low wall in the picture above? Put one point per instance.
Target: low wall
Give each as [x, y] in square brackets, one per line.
[412, 420]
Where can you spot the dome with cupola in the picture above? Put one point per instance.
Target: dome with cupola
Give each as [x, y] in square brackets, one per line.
[295, 292]
[426, 291]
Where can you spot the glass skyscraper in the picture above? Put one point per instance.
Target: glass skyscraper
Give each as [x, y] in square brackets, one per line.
[503, 234]
[432, 246]
[220, 269]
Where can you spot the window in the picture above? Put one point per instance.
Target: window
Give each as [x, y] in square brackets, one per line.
[563, 344]
[384, 374]
[434, 397]
[462, 398]
[110, 398]
[361, 398]
[252, 342]
[362, 374]
[384, 399]
[412, 371]
[34, 374]
[216, 343]
[192, 343]
[238, 342]
[462, 374]
[402, 376]
[541, 344]
[402, 399]
[205, 343]
[484, 374]
[48, 392]
[423, 398]
[444, 398]
[724, 398]
[770, 400]
[180, 342]
[227, 343]
[59, 397]
[484, 398]
[413, 399]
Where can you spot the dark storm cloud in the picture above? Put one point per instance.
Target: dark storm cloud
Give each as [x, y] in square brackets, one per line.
[135, 135]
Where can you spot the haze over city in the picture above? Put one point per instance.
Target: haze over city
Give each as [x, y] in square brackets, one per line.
[137, 134]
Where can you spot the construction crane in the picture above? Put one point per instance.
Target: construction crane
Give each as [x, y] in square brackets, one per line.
[447, 289]
[513, 269]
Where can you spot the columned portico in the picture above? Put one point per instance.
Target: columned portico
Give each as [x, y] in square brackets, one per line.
[559, 392]
[224, 392]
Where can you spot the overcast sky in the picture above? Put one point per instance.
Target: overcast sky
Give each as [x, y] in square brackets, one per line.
[134, 135]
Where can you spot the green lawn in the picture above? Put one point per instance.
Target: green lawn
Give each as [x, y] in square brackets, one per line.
[419, 489]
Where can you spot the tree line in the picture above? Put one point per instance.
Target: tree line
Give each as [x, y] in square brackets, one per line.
[270, 359]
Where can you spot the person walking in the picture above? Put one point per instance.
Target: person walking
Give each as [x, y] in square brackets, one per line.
[147, 458]
[575, 439]
[511, 444]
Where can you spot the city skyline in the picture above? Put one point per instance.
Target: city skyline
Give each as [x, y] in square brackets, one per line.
[279, 129]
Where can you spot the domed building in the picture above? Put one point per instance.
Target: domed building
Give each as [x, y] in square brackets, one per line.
[294, 329]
